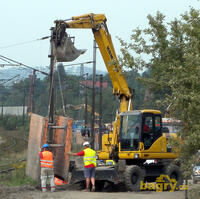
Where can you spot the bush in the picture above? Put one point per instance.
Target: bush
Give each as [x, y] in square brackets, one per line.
[17, 177]
[11, 123]
[14, 122]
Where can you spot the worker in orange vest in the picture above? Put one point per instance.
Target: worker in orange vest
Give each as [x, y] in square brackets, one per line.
[46, 163]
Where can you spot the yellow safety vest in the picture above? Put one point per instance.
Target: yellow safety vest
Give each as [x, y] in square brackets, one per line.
[89, 157]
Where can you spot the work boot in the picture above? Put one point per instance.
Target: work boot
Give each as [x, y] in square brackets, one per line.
[93, 189]
[44, 189]
[86, 190]
[53, 189]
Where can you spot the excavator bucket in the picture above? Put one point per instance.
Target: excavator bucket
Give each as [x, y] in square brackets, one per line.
[64, 49]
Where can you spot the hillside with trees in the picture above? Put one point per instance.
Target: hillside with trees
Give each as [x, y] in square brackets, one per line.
[73, 93]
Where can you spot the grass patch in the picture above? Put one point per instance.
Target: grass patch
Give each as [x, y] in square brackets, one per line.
[12, 158]
[17, 177]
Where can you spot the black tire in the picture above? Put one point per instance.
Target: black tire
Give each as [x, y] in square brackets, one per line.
[194, 181]
[174, 172]
[99, 185]
[133, 175]
[79, 185]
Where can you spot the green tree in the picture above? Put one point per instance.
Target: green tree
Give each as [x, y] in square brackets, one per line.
[170, 52]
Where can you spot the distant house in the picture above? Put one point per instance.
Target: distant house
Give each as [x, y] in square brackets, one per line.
[97, 84]
[13, 110]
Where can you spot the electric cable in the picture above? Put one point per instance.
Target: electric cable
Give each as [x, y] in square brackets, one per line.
[22, 43]
[9, 79]
[21, 64]
[61, 91]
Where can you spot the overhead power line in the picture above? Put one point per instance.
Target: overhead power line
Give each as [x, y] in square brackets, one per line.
[20, 64]
[9, 79]
[3, 65]
[89, 62]
[22, 43]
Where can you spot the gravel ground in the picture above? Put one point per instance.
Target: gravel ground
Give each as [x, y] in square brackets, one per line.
[27, 192]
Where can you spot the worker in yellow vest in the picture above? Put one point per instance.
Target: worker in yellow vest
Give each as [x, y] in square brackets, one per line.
[46, 163]
[89, 158]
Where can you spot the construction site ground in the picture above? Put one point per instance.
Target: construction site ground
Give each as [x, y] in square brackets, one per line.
[27, 192]
[68, 192]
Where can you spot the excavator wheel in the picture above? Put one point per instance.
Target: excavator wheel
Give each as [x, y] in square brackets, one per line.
[133, 175]
[173, 172]
[80, 185]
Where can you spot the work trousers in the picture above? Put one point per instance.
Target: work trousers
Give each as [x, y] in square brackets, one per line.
[47, 173]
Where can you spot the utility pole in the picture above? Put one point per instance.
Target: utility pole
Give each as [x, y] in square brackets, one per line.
[23, 114]
[51, 93]
[80, 89]
[86, 103]
[2, 111]
[61, 93]
[93, 95]
[33, 91]
[31, 104]
[100, 111]
[29, 108]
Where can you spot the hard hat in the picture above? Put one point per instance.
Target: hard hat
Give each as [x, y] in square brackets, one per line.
[45, 146]
[86, 143]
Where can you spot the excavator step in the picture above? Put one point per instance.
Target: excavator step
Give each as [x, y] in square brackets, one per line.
[57, 145]
[58, 127]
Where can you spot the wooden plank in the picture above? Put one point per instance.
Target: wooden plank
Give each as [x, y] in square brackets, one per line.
[62, 145]
[36, 133]
[62, 136]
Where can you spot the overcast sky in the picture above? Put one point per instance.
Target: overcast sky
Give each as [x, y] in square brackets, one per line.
[27, 20]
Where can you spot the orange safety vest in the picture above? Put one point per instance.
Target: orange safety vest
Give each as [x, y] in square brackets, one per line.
[47, 160]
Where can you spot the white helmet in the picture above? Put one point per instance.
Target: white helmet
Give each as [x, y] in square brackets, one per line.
[86, 143]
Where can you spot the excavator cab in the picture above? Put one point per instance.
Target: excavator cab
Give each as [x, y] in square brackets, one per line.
[138, 127]
[130, 131]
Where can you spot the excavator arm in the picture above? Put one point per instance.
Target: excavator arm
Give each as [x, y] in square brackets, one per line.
[97, 22]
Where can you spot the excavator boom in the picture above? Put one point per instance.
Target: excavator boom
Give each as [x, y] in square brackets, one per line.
[97, 22]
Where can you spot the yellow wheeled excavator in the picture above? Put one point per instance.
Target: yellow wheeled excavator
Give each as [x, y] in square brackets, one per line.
[137, 134]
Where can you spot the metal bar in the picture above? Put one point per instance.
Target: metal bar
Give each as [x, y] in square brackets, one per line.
[57, 145]
[100, 112]
[88, 62]
[61, 92]
[57, 127]
[93, 95]
[86, 102]
[51, 93]
[23, 115]
[33, 92]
